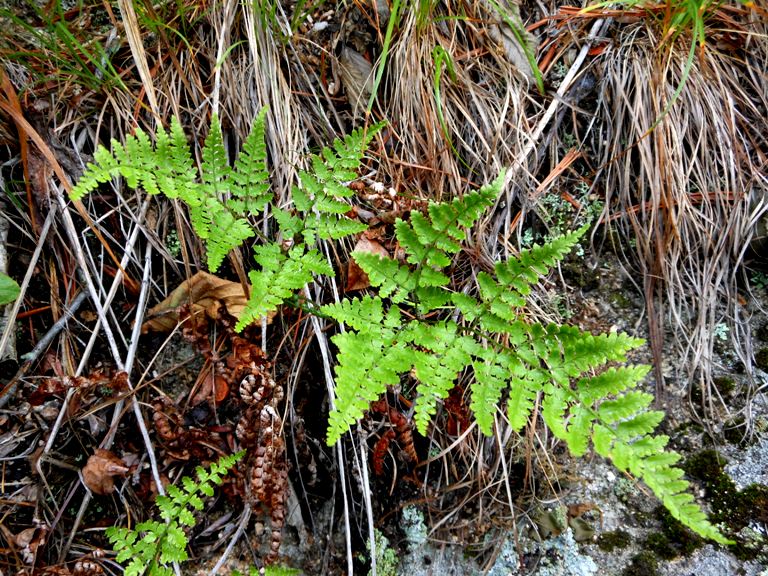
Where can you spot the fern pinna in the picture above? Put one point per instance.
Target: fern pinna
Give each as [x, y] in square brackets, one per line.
[153, 546]
[582, 400]
[219, 201]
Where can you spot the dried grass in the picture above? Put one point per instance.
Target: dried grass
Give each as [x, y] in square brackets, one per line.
[689, 191]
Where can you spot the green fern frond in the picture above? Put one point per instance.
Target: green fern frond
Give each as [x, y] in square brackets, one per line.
[215, 166]
[250, 195]
[515, 277]
[368, 362]
[321, 214]
[219, 200]
[326, 185]
[528, 362]
[493, 371]
[281, 275]
[429, 241]
[646, 459]
[440, 354]
[358, 313]
[152, 546]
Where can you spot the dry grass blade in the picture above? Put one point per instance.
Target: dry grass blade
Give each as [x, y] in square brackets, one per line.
[688, 192]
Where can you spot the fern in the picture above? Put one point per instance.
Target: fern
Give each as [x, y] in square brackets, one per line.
[153, 546]
[319, 213]
[415, 325]
[582, 399]
[220, 200]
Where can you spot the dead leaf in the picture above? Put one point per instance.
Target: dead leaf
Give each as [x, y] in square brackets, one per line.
[26, 542]
[215, 387]
[356, 278]
[205, 293]
[99, 470]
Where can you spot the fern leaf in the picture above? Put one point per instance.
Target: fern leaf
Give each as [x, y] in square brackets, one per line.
[360, 313]
[367, 363]
[215, 165]
[250, 175]
[337, 227]
[522, 397]
[290, 225]
[491, 379]
[134, 161]
[225, 233]
[611, 381]
[429, 241]
[525, 270]
[447, 353]
[626, 405]
[639, 425]
[394, 280]
[280, 276]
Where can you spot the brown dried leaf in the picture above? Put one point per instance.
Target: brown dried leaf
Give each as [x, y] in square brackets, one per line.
[356, 278]
[205, 293]
[215, 387]
[99, 470]
[26, 542]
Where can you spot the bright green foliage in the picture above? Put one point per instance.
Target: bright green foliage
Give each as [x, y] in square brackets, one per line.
[320, 209]
[154, 546]
[222, 198]
[219, 201]
[415, 327]
[280, 276]
[566, 371]
[9, 289]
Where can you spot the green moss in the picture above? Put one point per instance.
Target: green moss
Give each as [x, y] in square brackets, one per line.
[620, 300]
[674, 539]
[608, 541]
[725, 385]
[660, 545]
[761, 359]
[732, 508]
[643, 564]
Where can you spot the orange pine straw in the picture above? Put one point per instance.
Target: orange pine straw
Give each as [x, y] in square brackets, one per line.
[571, 156]
[33, 312]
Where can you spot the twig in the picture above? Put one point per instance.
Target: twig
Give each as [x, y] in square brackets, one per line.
[80, 257]
[236, 536]
[9, 328]
[323, 343]
[367, 497]
[31, 357]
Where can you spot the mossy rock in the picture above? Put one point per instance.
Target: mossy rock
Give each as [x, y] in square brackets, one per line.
[735, 509]
[609, 541]
[643, 564]
[674, 539]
